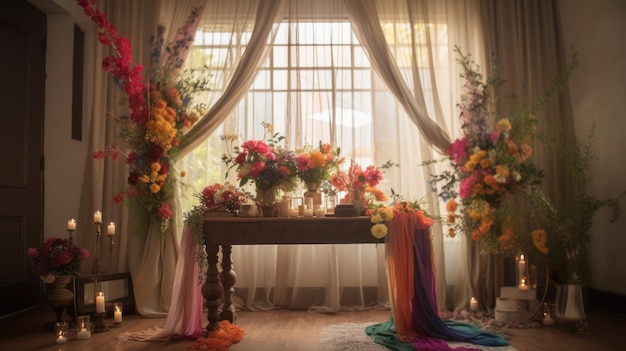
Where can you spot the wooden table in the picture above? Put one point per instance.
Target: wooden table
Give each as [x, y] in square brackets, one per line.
[225, 232]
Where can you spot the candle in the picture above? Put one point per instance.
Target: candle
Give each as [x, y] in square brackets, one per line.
[547, 319]
[111, 229]
[521, 266]
[523, 286]
[473, 304]
[83, 334]
[294, 212]
[100, 303]
[71, 224]
[61, 339]
[320, 212]
[117, 315]
[307, 212]
[97, 217]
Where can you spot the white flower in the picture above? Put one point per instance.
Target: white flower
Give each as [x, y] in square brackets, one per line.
[516, 176]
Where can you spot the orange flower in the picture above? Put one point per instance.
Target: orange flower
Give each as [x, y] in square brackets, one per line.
[451, 205]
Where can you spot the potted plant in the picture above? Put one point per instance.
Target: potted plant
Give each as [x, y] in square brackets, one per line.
[568, 229]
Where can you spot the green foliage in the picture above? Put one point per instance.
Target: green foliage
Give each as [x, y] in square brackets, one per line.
[569, 227]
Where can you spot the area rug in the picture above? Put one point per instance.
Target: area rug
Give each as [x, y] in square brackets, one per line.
[352, 337]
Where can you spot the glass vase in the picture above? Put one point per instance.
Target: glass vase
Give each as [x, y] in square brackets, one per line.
[267, 200]
[312, 191]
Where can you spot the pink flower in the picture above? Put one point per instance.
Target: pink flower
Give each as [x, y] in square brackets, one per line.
[457, 150]
[257, 168]
[493, 136]
[465, 187]
[302, 161]
[164, 211]
[258, 146]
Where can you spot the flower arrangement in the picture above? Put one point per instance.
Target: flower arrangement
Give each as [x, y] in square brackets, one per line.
[262, 162]
[56, 257]
[160, 111]
[489, 164]
[225, 195]
[360, 184]
[381, 214]
[316, 165]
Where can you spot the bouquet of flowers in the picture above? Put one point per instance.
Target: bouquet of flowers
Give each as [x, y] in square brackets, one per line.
[222, 195]
[262, 162]
[316, 165]
[489, 164]
[160, 111]
[360, 184]
[56, 257]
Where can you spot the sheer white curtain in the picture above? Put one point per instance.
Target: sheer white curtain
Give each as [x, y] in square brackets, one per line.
[318, 84]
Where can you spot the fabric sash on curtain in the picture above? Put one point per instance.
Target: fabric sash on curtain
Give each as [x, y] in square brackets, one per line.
[415, 322]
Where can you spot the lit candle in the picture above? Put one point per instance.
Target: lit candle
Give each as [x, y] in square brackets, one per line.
[294, 212]
[83, 334]
[521, 266]
[473, 304]
[547, 319]
[71, 224]
[97, 217]
[117, 315]
[61, 338]
[320, 212]
[111, 229]
[100, 303]
[523, 286]
[307, 212]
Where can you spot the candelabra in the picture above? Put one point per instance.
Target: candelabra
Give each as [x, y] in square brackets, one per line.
[96, 270]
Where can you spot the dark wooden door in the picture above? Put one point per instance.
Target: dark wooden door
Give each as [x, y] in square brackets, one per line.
[22, 72]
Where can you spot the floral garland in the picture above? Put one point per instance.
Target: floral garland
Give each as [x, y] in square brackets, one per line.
[381, 215]
[161, 111]
[489, 164]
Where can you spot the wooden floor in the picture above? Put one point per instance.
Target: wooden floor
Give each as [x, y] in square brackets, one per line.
[289, 330]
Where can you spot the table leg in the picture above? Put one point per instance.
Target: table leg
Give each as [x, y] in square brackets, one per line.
[228, 277]
[212, 288]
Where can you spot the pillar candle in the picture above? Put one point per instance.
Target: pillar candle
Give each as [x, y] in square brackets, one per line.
[111, 229]
[71, 224]
[97, 217]
[521, 266]
[473, 305]
[100, 303]
[117, 315]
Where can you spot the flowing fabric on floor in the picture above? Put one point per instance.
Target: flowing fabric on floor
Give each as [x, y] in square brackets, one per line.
[184, 319]
[415, 322]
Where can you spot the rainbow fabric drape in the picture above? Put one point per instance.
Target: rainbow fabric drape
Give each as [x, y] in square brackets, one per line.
[415, 322]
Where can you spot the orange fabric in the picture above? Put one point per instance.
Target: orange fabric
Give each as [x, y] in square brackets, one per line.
[399, 262]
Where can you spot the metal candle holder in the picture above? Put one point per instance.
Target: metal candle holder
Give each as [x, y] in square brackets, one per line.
[97, 270]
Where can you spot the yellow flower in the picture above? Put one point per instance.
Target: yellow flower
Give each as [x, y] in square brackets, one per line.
[540, 237]
[377, 218]
[503, 125]
[451, 205]
[379, 230]
[386, 213]
[155, 166]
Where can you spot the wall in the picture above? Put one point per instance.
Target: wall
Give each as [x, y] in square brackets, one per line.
[65, 158]
[596, 30]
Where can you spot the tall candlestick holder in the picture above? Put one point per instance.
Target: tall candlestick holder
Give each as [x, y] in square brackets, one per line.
[70, 233]
[96, 270]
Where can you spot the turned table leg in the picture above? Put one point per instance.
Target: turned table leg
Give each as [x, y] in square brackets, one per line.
[228, 277]
[212, 289]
